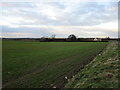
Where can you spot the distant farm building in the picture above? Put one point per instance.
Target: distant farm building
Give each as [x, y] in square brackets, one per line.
[97, 39]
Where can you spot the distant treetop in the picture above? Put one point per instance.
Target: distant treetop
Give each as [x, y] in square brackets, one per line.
[72, 36]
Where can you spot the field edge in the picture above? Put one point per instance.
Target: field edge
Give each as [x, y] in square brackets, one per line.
[102, 69]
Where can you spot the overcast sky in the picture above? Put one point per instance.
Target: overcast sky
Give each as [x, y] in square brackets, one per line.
[84, 19]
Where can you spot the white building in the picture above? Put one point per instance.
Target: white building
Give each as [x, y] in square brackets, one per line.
[97, 39]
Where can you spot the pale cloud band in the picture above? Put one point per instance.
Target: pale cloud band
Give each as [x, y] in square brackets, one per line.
[84, 19]
[59, 0]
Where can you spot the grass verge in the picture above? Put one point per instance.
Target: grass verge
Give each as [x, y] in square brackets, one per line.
[102, 72]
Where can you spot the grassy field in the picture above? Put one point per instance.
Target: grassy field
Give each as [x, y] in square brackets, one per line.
[102, 72]
[45, 64]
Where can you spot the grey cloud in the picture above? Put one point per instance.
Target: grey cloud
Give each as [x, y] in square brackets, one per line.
[67, 14]
[91, 13]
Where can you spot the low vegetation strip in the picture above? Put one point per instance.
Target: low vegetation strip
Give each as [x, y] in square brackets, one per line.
[102, 72]
[44, 64]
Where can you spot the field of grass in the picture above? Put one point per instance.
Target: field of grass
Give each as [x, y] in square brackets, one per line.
[102, 72]
[44, 64]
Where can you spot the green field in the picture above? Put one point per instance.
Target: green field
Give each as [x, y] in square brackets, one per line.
[44, 64]
[102, 72]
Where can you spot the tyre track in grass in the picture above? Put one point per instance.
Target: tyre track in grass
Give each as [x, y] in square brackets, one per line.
[61, 82]
[39, 70]
[77, 69]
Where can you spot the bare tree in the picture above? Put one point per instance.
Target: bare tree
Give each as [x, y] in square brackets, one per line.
[53, 36]
[43, 39]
